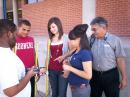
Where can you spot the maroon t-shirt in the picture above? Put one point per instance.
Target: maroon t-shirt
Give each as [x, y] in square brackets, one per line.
[25, 50]
[55, 52]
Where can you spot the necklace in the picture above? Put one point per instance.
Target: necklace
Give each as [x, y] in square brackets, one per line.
[55, 49]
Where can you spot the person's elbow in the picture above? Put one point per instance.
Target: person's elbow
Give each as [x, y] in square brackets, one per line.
[88, 76]
[9, 94]
[12, 91]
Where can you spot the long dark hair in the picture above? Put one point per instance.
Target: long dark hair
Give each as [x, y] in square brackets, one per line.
[58, 23]
[79, 31]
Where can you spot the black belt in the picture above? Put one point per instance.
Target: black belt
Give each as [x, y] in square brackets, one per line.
[104, 72]
[74, 87]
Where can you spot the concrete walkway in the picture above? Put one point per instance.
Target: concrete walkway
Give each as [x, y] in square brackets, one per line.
[41, 41]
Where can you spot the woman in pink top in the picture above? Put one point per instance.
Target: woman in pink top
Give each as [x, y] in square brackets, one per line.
[58, 46]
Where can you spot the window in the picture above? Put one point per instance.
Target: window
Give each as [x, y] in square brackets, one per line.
[32, 1]
[10, 14]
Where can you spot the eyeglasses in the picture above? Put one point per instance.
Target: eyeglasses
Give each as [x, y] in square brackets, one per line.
[93, 29]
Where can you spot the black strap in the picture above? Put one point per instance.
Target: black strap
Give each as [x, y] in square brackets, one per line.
[92, 40]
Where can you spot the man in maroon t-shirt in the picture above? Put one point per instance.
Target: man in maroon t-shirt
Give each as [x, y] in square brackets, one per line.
[25, 48]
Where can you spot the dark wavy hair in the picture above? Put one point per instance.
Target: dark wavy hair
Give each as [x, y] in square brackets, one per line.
[58, 23]
[79, 31]
[100, 21]
[25, 22]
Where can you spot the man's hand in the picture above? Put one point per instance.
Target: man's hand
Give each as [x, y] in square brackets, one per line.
[42, 71]
[31, 72]
[122, 68]
[123, 83]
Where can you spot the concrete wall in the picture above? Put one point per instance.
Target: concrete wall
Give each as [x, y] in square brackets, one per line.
[88, 13]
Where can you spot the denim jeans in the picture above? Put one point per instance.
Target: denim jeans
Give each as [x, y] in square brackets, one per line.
[58, 83]
[81, 92]
[32, 81]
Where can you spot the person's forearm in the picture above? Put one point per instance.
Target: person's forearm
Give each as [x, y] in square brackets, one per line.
[68, 53]
[80, 73]
[122, 67]
[12, 91]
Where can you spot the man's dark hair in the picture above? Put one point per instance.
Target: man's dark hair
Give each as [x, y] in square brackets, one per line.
[99, 20]
[6, 26]
[25, 22]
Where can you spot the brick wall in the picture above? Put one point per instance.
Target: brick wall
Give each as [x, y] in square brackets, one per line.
[69, 11]
[117, 12]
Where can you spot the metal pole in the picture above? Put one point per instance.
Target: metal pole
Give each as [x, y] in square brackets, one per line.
[1, 10]
[15, 12]
[4, 9]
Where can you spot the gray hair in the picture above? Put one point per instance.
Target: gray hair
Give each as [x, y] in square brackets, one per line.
[100, 21]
